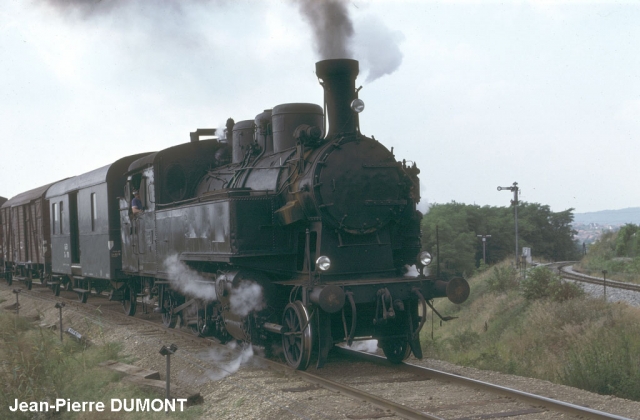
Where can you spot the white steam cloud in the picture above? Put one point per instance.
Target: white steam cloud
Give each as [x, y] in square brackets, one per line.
[412, 271]
[377, 47]
[245, 298]
[369, 346]
[188, 281]
[227, 359]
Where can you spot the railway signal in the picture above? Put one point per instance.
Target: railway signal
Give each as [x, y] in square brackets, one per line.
[514, 203]
[484, 247]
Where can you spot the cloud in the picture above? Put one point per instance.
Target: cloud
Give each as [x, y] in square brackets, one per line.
[629, 111]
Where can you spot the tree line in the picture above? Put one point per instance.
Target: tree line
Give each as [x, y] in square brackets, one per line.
[548, 234]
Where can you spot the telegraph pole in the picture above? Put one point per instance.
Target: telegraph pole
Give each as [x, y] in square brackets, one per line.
[484, 247]
[514, 202]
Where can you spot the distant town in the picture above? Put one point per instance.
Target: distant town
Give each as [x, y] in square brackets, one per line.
[591, 226]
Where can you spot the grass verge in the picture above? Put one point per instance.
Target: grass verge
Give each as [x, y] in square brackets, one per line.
[35, 366]
[564, 337]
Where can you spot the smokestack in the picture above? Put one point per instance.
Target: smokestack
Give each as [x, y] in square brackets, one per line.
[339, 83]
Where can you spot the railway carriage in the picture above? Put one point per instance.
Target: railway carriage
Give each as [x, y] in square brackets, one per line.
[85, 228]
[2, 244]
[26, 236]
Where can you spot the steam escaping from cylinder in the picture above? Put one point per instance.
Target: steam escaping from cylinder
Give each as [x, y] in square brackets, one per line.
[227, 359]
[368, 346]
[331, 25]
[188, 281]
[246, 297]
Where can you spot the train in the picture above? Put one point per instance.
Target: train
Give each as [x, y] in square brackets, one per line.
[292, 231]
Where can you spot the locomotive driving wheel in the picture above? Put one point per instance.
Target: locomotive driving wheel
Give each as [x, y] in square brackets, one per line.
[130, 301]
[395, 349]
[297, 341]
[169, 319]
[197, 322]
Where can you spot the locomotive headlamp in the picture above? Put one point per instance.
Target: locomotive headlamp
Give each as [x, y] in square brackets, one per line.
[323, 263]
[357, 105]
[424, 258]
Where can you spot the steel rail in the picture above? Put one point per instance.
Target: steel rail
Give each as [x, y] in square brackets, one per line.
[536, 400]
[573, 275]
[398, 409]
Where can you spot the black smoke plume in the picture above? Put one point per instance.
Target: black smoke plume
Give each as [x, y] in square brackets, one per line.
[331, 25]
[88, 8]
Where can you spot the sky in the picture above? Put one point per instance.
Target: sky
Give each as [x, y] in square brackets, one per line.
[478, 94]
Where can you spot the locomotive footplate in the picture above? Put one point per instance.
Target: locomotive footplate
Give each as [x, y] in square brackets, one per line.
[364, 291]
[385, 309]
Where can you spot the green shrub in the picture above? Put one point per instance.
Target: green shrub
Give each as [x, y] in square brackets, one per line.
[541, 283]
[502, 279]
[562, 291]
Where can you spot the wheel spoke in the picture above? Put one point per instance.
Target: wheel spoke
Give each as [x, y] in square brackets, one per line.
[296, 342]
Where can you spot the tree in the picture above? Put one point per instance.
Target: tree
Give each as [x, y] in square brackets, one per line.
[549, 234]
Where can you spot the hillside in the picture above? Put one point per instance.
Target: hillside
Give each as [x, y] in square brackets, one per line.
[609, 217]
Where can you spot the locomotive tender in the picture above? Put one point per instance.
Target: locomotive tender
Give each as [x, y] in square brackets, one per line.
[321, 221]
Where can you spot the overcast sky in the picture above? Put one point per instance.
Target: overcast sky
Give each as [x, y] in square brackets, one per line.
[479, 94]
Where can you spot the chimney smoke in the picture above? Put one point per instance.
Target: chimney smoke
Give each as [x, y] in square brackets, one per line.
[331, 25]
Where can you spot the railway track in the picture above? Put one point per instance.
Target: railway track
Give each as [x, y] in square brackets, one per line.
[359, 383]
[566, 271]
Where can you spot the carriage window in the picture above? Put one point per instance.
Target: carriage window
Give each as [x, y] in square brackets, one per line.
[94, 211]
[54, 210]
[61, 219]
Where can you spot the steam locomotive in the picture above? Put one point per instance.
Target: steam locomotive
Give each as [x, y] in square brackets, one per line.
[320, 221]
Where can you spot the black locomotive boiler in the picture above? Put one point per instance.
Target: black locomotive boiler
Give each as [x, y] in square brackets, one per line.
[322, 221]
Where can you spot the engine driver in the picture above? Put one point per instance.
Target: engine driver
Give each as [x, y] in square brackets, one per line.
[136, 203]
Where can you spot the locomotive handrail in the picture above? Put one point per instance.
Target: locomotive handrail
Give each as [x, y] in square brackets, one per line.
[173, 203]
[214, 195]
